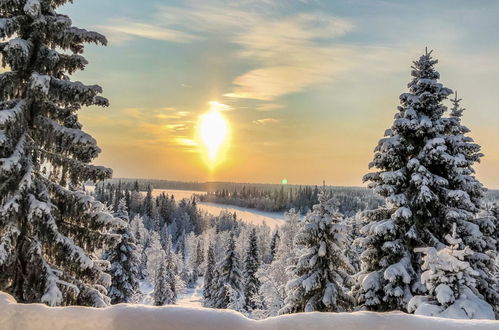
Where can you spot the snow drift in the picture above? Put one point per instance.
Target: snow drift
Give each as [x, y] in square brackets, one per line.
[41, 317]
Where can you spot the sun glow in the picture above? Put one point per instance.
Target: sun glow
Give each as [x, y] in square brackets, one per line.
[213, 132]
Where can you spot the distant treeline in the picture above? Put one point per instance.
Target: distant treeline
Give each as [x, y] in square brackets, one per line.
[350, 200]
[267, 197]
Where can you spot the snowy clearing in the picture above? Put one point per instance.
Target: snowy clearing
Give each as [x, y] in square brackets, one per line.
[123, 316]
[192, 297]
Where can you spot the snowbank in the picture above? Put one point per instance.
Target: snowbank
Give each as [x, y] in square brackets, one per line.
[41, 317]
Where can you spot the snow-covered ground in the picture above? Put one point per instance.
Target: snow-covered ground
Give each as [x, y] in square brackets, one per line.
[192, 297]
[125, 317]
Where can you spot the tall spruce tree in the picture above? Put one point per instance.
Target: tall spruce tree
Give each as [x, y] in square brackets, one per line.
[251, 281]
[321, 277]
[165, 287]
[227, 286]
[49, 228]
[273, 245]
[125, 263]
[209, 277]
[425, 174]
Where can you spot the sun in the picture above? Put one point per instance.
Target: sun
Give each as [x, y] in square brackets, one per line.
[213, 132]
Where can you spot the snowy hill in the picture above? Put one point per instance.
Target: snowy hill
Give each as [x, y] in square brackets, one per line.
[41, 317]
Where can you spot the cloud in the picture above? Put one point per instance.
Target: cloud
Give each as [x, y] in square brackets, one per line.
[298, 52]
[266, 121]
[215, 105]
[122, 30]
[288, 52]
[269, 107]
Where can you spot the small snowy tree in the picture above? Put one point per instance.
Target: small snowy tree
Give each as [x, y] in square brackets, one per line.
[155, 255]
[124, 260]
[322, 273]
[251, 282]
[50, 230]
[228, 279]
[451, 284]
[275, 276]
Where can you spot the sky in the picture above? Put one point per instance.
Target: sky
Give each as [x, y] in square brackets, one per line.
[306, 87]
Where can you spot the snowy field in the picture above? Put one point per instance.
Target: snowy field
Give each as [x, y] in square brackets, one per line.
[128, 317]
[256, 217]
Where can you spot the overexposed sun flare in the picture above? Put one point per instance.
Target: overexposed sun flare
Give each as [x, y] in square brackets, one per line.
[213, 131]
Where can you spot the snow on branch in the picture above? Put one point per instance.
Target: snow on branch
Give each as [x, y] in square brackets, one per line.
[68, 92]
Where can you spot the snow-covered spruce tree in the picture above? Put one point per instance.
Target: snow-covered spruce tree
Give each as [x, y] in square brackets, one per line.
[427, 181]
[251, 282]
[451, 284]
[276, 275]
[273, 245]
[227, 285]
[125, 264]
[165, 287]
[162, 290]
[142, 239]
[321, 277]
[155, 254]
[209, 277]
[49, 228]
[199, 255]
[477, 232]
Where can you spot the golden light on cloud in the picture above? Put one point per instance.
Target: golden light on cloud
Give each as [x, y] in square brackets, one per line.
[213, 130]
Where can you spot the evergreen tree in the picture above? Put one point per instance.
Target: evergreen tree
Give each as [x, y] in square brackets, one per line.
[165, 288]
[275, 276]
[251, 282]
[208, 290]
[477, 232]
[142, 239]
[199, 254]
[227, 282]
[124, 259]
[451, 284]
[274, 244]
[427, 181]
[162, 290]
[321, 276]
[155, 254]
[50, 229]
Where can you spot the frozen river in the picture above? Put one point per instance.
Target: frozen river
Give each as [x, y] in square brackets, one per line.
[272, 219]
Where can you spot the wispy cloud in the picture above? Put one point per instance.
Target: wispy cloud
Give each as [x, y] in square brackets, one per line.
[269, 107]
[266, 121]
[288, 52]
[122, 30]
